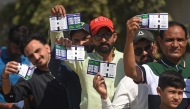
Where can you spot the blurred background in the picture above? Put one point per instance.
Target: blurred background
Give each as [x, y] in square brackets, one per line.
[35, 14]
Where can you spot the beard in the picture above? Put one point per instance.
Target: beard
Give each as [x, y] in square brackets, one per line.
[104, 50]
[149, 59]
[13, 55]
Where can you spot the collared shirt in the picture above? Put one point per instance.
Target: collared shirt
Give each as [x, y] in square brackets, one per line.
[4, 59]
[128, 95]
[69, 79]
[151, 72]
[46, 90]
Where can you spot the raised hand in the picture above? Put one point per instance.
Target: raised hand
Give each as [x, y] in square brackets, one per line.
[100, 86]
[10, 68]
[132, 26]
[58, 10]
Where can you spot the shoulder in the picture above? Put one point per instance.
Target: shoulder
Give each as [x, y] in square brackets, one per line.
[154, 67]
[116, 52]
[127, 82]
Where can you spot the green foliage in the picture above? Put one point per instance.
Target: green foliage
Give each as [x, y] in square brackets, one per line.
[35, 13]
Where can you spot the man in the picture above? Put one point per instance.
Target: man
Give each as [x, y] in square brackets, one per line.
[68, 77]
[12, 53]
[47, 91]
[103, 39]
[128, 94]
[173, 44]
[170, 88]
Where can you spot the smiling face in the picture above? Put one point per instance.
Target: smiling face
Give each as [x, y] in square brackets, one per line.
[174, 43]
[38, 53]
[170, 97]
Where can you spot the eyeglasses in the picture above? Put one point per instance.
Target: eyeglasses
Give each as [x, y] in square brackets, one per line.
[138, 51]
[106, 35]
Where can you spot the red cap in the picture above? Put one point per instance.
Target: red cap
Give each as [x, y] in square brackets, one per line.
[99, 22]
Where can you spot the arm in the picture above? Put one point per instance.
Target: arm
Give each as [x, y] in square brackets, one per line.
[10, 68]
[56, 37]
[8, 106]
[121, 98]
[129, 57]
[17, 92]
[100, 86]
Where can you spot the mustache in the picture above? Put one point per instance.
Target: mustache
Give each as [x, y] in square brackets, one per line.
[105, 43]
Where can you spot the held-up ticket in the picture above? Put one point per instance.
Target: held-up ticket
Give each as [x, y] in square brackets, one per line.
[69, 22]
[76, 53]
[106, 69]
[93, 67]
[154, 21]
[25, 71]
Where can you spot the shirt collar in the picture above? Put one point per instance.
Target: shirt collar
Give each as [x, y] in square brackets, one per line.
[101, 58]
[168, 63]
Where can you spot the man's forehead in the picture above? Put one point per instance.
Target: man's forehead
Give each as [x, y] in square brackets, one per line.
[80, 34]
[33, 45]
[103, 30]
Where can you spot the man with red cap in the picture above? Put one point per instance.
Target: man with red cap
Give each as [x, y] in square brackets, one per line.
[103, 39]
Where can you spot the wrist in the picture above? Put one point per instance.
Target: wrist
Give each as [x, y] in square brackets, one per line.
[3, 76]
[104, 96]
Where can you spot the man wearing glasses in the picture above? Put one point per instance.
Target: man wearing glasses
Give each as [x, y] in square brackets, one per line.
[128, 94]
[103, 39]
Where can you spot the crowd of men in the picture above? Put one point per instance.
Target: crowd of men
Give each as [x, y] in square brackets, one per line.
[140, 81]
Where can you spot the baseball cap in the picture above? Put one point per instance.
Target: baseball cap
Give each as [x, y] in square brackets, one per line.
[84, 26]
[143, 34]
[99, 22]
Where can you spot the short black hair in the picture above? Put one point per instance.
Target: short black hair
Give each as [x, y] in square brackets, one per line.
[174, 23]
[36, 36]
[171, 78]
[17, 34]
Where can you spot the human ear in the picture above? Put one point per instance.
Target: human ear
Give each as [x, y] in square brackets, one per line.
[114, 36]
[47, 48]
[158, 90]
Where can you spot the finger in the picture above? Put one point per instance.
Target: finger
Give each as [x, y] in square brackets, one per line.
[53, 12]
[13, 63]
[56, 8]
[67, 43]
[14, 66]
[63, 42]
[101, 82]
[70, 43]
[135, 19]
[62, 11]
[133, 24]
[11, 70]
[95, 79]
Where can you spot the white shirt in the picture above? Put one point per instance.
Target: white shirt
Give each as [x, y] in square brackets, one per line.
[128, 95]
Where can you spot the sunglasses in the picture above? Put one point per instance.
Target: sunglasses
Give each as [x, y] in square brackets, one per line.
[106, 35]
[138, 51]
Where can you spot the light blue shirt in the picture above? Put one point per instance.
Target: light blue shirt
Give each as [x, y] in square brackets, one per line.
[4, 59]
